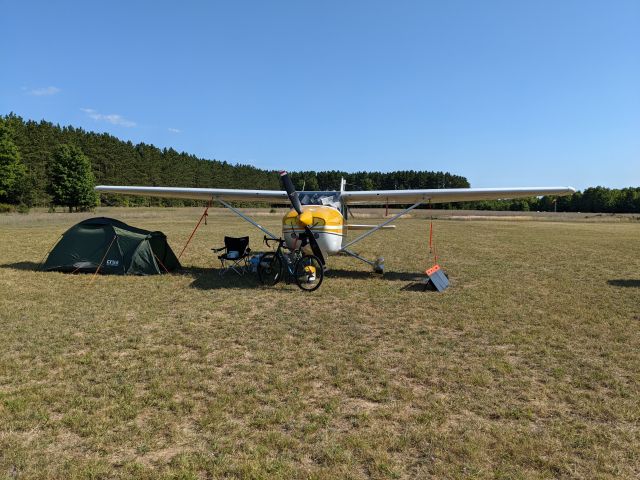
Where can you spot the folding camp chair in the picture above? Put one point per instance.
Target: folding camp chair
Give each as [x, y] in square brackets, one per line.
[236, 255]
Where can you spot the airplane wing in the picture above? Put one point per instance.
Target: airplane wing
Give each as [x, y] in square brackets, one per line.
[444, 195]
[199, 193]
[370, 197]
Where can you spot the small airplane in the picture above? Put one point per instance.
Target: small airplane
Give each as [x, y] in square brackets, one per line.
[318, 220]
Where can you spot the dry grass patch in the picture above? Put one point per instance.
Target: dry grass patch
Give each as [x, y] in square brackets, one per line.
[527, 367]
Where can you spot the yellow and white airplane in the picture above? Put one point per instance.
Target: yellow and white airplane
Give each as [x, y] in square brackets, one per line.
[320, 218]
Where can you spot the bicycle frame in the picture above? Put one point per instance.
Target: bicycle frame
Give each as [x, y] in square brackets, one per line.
[286, 259]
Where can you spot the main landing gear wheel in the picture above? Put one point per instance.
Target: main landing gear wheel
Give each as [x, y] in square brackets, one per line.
[309, 273]
[270, 269]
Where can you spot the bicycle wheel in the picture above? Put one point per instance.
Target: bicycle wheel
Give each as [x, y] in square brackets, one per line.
[309, 272]
[270, 269]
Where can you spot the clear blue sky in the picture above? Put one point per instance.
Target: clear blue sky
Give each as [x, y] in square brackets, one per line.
[506, 93]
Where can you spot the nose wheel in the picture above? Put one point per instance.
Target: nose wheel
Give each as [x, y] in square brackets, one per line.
[378, 265]
[309, 273]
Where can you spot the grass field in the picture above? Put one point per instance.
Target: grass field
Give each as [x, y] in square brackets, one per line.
[527, 367]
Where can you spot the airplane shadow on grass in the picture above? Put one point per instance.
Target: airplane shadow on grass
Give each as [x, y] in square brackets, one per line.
[633, 283]
[210, 278]
[365, 274]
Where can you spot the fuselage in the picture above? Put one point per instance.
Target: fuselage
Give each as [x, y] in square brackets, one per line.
[328, 227]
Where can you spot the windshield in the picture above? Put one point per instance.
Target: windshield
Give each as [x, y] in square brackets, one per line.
[331, 199]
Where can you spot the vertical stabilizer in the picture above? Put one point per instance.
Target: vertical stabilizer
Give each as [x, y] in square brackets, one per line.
[343, 207]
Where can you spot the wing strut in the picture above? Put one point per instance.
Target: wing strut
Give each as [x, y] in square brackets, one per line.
[378, 227]
[248, 219]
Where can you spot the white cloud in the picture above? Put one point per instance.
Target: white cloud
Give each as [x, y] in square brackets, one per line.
[174, 130]
[112, 118]
[40, 92]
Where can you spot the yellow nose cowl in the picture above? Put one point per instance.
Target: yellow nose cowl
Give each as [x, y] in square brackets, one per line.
[305, 218]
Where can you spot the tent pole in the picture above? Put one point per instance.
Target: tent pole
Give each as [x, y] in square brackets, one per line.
[204, 215]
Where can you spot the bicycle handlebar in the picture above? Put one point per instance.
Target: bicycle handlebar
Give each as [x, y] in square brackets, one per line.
[270, 239]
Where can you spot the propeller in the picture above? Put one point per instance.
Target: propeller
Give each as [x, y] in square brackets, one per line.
[305, 218]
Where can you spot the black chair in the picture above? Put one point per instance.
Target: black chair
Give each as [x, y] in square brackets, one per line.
[236, 255]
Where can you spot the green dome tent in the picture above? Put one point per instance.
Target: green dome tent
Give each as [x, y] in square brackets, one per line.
[115, 247]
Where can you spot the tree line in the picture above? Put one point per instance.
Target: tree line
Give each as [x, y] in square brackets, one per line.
[117, 162]
[592, 199]
[42, 164]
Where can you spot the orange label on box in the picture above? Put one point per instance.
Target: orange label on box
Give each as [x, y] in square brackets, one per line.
[432, 270]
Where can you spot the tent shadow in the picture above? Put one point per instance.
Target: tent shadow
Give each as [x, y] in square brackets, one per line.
[33, 266]
[633, 283]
